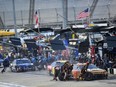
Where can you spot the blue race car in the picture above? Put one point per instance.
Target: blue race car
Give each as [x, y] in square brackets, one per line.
[23, 64]
[1, 62]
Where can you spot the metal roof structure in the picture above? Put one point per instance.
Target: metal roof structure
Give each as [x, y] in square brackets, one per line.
[50, 11]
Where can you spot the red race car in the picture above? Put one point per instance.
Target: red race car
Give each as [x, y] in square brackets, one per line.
[92, 72]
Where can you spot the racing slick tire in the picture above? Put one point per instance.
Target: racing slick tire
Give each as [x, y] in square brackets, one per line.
[11, 69]
[61, 76]
[50, 72]
[88, 76]
[106, 77]
[33, 68]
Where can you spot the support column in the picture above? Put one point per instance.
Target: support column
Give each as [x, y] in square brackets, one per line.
[22, 17]
[14, 15]
[65, 13]
[39, 15]
[31, 12]
[92, 47]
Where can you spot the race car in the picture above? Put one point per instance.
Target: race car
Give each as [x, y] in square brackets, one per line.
[1, 62]
[23, 64]
[91, 73]
[51, 67]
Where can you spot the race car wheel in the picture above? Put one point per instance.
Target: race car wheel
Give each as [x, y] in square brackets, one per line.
[50, 73]
[61, 76]
[106, 77]
[11, 69]
[33, 68]
[16, 69]
[88, 76]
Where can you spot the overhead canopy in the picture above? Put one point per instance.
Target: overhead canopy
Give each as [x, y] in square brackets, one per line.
[31, 43]
[83, 46]
[57, 44]
[15, 41]
[92, 29]
[113, 51]
[36, 30]
[111, 41]
[6, 33]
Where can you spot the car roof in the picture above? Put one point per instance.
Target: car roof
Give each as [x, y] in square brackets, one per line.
[62, 61]
[1, 59]
[79, 64]
[22, 59]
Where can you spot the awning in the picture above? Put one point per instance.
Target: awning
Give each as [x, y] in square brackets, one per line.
[83, 46]
[15, 41]
[92, 29]
[31, 43]
[111, 41]
[6, 33]
[57, 45]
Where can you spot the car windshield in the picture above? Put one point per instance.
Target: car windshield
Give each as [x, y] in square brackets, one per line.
[92, 66]
[59, 63]
[80, 66]
[22, 61]
[1, 59]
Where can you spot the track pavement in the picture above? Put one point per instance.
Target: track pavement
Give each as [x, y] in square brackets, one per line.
[42, 79]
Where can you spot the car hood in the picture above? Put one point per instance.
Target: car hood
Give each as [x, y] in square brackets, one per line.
[1, 60]
[97, 71]
[25, 64]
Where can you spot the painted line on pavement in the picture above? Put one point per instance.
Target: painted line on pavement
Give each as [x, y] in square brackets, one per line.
[3, 84]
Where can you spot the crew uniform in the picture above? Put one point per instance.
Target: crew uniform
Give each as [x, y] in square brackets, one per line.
[63, 72]
[84, 69]
[5, 65]
[56, 73]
